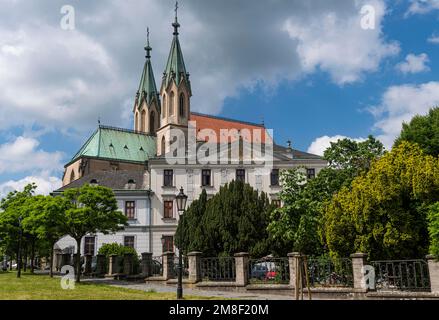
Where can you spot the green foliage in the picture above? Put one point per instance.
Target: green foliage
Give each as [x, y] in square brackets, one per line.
[383, 213]
[433, 228]
[299, 224]
[234, 220]
[109, 249]
[90, 209]
[423, 130]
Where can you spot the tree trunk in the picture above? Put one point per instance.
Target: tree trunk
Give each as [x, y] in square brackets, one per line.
[10, 263]
[25, 258]
[32, 257]
[78, 260]
[51, 260]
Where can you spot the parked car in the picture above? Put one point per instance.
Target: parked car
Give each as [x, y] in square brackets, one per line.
[259, 271]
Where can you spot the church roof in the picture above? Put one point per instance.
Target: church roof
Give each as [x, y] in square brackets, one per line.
[175, 67]
[147, 88]
[116, 180]
[118, 144]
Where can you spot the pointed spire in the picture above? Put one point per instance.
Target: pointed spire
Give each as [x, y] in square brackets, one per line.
[147, 88]
[175, 67]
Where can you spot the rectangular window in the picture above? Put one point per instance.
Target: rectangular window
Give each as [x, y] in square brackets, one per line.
[128, 241]
[277, 203]
[275, 177]
[168, 178]
[168, 210]
[205, 178]
[168, 243]
[311, 173]
[130, 209]
[240, 175]
[89, 246]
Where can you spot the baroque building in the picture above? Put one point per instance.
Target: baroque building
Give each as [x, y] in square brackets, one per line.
[136, 164]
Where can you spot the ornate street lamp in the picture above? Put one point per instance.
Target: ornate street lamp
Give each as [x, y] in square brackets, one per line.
[181, 206]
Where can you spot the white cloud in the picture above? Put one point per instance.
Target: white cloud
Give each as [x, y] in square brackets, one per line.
[45, 184]
[67, 79]
[55, 78]
[399, 104]
[414, 64]
[23, 155]
[434, 39]
[319, 145]
[339, 45]
[422, 6]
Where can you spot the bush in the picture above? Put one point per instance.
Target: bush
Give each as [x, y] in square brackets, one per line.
[109, 249]
[433, 228]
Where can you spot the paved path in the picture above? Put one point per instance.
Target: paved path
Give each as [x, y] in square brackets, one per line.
[193, 292]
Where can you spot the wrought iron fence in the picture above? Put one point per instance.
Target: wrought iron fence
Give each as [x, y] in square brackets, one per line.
[327, 272]
[218, 269]
[269, 271]
[402, 275]
[157, 266]
[185, 269]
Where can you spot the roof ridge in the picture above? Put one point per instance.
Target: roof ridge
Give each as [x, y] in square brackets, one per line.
[125, 130]
[227, 119]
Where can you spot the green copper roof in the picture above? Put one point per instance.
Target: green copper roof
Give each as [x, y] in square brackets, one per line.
[175, 68]
[147, 88]
[118, 144]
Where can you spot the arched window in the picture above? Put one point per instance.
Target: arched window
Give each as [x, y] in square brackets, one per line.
[152, 122]
[142, 121]
[72, 176]
[164, 106]
[171, 104]
[136, 121]
[163, 145]
[181, 106]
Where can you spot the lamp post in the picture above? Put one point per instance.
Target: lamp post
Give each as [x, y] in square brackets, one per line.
[181, 206]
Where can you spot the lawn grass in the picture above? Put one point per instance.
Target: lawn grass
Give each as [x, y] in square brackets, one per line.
[42, 287]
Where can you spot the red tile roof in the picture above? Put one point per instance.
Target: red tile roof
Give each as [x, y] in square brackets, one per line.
[221, 125]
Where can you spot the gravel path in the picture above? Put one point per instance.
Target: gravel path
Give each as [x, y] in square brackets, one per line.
[193, 292]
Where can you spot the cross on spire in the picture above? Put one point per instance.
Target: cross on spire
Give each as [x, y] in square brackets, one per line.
[148, 47]
[176, 25]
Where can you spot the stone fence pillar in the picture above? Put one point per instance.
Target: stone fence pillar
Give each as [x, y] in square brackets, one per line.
[113, 265]
[146, 264]
[100, 264]
[433, 269]
[128, 267]
[168, 265]
[241, 265]
[358, 263]
[194, 259]
[87, 264]
[293, 264]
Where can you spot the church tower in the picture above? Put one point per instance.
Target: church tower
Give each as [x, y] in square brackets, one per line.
[175, 93]
[147, 103]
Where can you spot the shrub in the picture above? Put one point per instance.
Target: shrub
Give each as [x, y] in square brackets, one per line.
[109, 249]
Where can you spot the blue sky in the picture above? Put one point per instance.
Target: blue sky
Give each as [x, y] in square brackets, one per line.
[309, 71]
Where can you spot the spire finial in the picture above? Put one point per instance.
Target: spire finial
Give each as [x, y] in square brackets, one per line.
[148, 47]
[176, 25]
